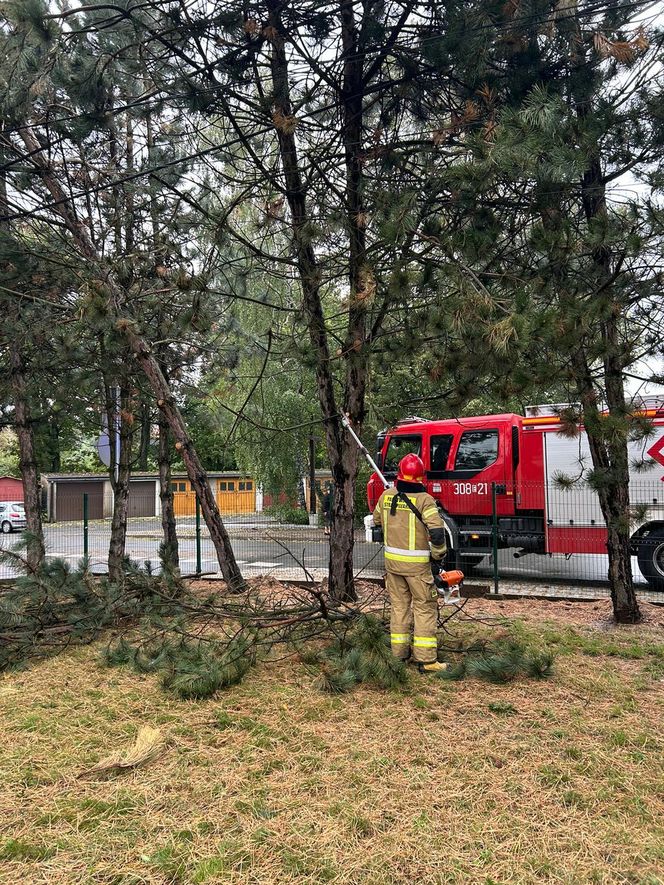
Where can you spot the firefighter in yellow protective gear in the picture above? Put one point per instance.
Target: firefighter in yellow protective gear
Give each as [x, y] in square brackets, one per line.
[415, 544]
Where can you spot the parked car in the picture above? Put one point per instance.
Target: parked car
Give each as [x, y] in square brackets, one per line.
[12, 516]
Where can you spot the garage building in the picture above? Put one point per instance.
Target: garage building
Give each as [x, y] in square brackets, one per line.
[11, 489]
[234, 493]
[63, 496]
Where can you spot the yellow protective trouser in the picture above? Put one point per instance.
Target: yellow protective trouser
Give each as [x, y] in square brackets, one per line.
[413, 598]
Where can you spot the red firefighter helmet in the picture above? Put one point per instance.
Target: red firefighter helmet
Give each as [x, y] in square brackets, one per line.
[411, 469]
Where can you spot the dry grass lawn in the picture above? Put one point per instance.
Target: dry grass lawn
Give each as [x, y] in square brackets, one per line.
[559, 781]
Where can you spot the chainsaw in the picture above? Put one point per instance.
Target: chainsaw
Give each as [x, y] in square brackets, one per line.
[448, 584]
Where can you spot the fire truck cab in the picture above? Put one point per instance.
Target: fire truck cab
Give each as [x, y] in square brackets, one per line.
[508, 468]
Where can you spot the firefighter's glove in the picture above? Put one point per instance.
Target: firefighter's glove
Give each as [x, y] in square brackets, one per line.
[436, 568]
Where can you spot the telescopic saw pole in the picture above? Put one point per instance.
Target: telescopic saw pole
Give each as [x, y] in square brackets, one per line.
[345, 420]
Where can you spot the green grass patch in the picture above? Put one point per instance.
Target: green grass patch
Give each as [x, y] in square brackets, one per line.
[502, 708]
[19, 849]
[571, 640]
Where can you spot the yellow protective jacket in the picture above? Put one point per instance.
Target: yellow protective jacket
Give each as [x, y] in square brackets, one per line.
[406, 539]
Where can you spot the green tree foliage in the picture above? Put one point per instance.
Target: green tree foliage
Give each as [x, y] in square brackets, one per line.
[210, 432]
[8, 453]
[124, 253]
[300, 210]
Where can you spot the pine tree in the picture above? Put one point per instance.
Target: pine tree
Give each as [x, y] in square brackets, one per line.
[111, 281]
[328, 144]
[14, 347]
[550, 276]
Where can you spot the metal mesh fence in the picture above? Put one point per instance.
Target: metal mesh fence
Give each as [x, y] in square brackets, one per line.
[554, 534]
[508, 537]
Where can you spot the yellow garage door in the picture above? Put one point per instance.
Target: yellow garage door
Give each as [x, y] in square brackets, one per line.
[184, 499]
[236, 495]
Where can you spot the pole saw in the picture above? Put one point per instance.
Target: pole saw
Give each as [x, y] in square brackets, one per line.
[448, 583]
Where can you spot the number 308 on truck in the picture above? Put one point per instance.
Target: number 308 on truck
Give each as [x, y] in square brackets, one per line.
[530, 480]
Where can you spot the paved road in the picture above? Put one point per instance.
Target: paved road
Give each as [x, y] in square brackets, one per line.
[267, 548]
[288, 548]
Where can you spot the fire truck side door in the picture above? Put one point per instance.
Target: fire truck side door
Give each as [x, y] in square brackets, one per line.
[477, 461]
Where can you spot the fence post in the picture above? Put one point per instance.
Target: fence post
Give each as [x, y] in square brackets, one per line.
[494, 535]
[85, 527]
[199, 565]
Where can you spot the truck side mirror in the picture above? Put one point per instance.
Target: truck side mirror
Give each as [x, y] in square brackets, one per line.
[379, 460]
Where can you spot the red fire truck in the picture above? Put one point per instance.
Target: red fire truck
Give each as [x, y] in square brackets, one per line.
[530, 479]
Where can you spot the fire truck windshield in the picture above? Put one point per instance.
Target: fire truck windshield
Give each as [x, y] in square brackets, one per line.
[397, 448]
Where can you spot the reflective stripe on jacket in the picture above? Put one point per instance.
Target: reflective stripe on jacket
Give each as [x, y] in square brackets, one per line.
[406, 538]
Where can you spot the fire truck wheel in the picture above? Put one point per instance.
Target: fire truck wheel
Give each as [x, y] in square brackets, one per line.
[651, 559]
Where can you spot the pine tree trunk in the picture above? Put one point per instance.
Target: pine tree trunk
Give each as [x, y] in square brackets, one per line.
[342, 536]
[615, 505]
[616, 508]
[168, 523]
[625, 604]
[117, 543]
[341, 451]
[609, 451]
[611, 465]
[344, 469]
[184, 445]
[27, 459]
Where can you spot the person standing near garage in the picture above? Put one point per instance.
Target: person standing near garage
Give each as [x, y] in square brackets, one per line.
[328, 505]
[415, 544]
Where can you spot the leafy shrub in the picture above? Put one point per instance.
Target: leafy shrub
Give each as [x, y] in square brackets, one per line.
[286, 514]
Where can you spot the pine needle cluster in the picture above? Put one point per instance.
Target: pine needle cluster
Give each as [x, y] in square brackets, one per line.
[502, 661]
[362, 655]
[190, 669]
[57, 605]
